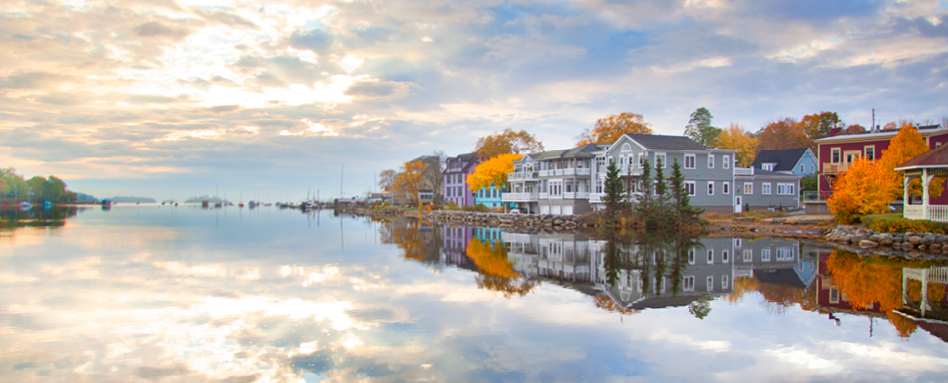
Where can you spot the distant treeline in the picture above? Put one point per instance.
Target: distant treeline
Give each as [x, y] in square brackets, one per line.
[36, 189]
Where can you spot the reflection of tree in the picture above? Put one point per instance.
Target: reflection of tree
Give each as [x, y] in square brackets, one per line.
[38, 216]
[496, 271]
[416, 238]
[610, 305]
[700, 308]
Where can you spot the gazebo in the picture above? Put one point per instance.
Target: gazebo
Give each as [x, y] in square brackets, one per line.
[926, 166]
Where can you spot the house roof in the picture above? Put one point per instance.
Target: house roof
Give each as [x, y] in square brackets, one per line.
[783, 277]
[785, 159]
[926, 130]
[585, 151]
[936, 158]
[659, 142]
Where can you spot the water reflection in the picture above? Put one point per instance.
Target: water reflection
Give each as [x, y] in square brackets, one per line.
[198, 295]
[37, 216]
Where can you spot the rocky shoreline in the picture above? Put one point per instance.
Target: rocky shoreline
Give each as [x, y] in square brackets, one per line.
[907, 244]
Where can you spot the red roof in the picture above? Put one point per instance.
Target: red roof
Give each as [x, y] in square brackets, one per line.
[935, 158]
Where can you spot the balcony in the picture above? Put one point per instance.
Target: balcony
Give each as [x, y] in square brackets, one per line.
[575, 195]
[834, 167]
[519, 197]
[565, 172]
[543, 195]
[740, 171]
[522, 176]
[595, 197]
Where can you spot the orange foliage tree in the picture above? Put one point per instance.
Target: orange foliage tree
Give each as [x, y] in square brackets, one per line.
[868, 283]
[612, 127]
[734, 137]
[506, 142]
[864, 188]
[817, 125]
[496, 271]
[907, 144]
[492, 172]
[409, 180]
[783, 134]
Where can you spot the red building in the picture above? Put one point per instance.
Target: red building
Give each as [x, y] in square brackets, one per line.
[837, 152]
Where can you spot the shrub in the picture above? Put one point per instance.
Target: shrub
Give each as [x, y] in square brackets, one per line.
[901, 225]
[451, 206]
[467, 208]
[481, 207]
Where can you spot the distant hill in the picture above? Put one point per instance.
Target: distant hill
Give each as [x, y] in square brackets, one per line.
[202, 199]
[125, 199]
[86, 198]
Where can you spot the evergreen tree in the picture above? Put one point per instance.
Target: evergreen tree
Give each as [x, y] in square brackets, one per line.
[645, 206]
[613, 189]
[683, 210]
[660, 217]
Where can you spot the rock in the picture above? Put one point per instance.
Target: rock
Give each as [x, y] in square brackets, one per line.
[922, 247]
[936, 247]
[868, 244]
[907, 246]
[915, 240]
[886, 242]
[928, 239]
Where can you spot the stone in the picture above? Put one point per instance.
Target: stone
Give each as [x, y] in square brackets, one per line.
[886, 242]
[868, 244]
[928, 239]
[915, 240]
[936, 247]
[907, 246]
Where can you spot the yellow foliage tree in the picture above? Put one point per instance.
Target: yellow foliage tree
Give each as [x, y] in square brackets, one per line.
[612, 127]
[506, 142]
[865, 188]
[906, 145]
[735, 138]
[409, 180]
[496, 271]
[492, 172]
[868, 283]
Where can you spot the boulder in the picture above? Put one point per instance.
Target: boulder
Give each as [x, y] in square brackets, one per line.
[868, 244]
[915, 240]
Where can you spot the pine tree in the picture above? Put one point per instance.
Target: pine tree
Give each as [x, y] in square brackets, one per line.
[645, 206]
[683, 210]
[614, 199]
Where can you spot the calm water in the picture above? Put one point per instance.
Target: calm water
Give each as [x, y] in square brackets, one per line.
[146, 293]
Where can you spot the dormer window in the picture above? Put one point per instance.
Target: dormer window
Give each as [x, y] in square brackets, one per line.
[767, 166]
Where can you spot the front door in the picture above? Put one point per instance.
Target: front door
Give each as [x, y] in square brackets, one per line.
[738, 205]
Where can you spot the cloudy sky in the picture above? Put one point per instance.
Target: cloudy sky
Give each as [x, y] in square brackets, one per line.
[265, 100]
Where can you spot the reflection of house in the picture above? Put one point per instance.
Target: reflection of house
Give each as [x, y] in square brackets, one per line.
[829, 297]
[763, 189]
[799, 161]
[454, 244]
[925, 309]
[754, 256]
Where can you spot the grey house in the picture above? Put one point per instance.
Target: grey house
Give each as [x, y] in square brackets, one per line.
[762, 189]
[553, 182]
[709, 173]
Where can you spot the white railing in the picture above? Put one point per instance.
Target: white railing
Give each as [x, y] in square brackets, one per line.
[569, 195]
[938, 274]
[913, 212]
[739, 171]
[938, 213]
[521, 176]
[583, 171]
[543, 173]
[582, 195]
[519, 197]
[543, 195]
[595, 197]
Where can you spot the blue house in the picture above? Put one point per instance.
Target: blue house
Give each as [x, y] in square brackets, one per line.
[800, 161]
[490, 197]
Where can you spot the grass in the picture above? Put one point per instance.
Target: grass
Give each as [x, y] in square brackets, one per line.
[756, 215]
[884, 217]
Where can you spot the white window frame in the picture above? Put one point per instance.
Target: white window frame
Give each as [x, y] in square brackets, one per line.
[690, 187]
[690, 157]
[691, 256]
[710, 256]
[786, 189]
[802, 168]
[688, 283]
[710, 284]
[748, 255]
[710, 160]
[726, 187]
[710, 187]
[812, 168]
[784, 253]
[748, 188]
[765, 188]
[726, 161]
[664, 161]
[725, 256]
[865, 152]
[765, 255]
[725, 282]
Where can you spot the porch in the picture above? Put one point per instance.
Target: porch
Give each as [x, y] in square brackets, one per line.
[926, 166]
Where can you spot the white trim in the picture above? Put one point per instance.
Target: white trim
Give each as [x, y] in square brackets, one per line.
[748, 188]
[664, 156]
[726, 188]
[726, 161]
[765, 188]
[693, 161]
[690, 187]
[710, 160]
[710, 188]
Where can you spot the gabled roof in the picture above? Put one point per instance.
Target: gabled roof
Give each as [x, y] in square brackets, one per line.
[785, 159]
[925, 131]
[468, 159]
[935, 158]
[659, 142]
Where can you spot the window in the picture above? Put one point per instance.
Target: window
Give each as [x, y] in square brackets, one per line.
[748, 188]
[710, 283]
[690, 187]
[710, 256]
[725, 256]
[691, 256]
[599, 185]
[784, 254]
[641, 160]
[748, 255]
[688, 283]
[710, 161]
[870, 152]
[710, 187]
[725, 282]
[765, 255]
[689, 161]
[726, 161]
[786, 189]
[737, 242]
[765, 188]
[726, 187]
[600, 162]
[802, 168]
[660, 160]
[835, 155]
[812, 168]
[768, 167]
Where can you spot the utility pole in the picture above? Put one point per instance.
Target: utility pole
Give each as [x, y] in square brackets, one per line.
[872, 128]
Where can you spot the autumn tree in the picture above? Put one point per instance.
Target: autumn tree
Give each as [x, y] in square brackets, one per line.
[434, 175]
[409, 181]
[610, 128]
[907, 144]
[507, 142]
[783, 134]
[817, 125]
[492, 172]
[700, 130]
[862, 189]
[854, 129]
[387, 180]
[735, 138]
